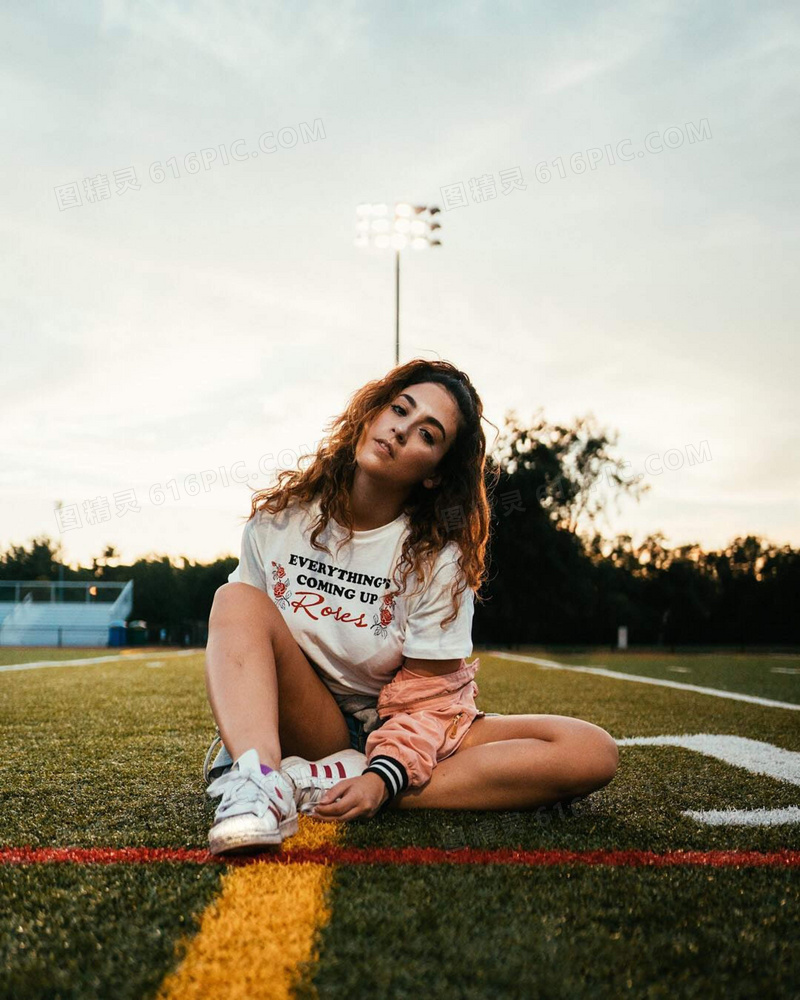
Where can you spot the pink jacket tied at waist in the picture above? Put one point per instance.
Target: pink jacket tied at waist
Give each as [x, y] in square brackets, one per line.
[426, 718]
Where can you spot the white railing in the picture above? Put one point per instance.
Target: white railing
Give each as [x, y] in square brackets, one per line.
[37, 617]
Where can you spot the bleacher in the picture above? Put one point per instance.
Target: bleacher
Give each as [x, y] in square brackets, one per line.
[41, 613]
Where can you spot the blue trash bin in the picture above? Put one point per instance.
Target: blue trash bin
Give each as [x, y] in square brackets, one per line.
[116, 633]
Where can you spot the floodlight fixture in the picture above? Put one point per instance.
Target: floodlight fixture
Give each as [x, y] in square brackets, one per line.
[407, 225]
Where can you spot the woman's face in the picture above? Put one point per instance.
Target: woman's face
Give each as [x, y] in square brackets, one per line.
[420, 425]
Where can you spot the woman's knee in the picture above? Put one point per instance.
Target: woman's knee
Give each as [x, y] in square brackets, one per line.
[242, 618]
[241, 601]
[602, 757]
[592, 757]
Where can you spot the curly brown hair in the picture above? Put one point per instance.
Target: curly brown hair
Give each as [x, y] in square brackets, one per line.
[462, 488]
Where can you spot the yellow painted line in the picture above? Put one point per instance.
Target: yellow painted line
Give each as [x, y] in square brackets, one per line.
[262, 927]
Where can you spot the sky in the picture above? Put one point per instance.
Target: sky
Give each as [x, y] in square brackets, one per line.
[183, 305]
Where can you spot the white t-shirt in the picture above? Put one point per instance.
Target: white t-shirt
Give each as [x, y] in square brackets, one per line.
[338, 607]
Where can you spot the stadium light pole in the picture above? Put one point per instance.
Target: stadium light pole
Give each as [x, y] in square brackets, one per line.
[411, 225]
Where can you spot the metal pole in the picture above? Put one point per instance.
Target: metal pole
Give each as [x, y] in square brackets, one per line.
[397, 307]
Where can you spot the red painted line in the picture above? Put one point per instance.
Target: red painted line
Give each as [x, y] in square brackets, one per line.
[332, 854]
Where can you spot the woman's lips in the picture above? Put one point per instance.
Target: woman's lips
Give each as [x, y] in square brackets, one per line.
[383, 447]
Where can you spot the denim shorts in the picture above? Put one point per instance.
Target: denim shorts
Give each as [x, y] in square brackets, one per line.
[358, 736]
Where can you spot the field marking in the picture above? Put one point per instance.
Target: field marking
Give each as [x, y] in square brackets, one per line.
[332, 854]
[619, 675]
[745, 817]
[89, 660]
[254, 937]
[754, 756]
[261, 927]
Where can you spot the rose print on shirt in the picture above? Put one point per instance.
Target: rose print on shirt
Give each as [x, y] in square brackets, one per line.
[380, 623]
[280, 589]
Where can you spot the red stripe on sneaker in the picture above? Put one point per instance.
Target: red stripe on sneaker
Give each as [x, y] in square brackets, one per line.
[328, 771]
[313, 770]
[340, 768]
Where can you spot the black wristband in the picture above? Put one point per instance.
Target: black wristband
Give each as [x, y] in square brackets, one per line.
[393, 773]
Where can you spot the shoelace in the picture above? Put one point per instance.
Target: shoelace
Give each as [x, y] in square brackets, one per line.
[242, 791]
[310, 795]
[308, 789]
[217, 741]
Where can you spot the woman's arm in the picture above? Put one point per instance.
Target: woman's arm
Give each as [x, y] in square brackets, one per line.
[402, 754]
[405, 749]
[430, 668]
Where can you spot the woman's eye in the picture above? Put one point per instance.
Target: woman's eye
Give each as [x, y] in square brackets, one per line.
[428, 438]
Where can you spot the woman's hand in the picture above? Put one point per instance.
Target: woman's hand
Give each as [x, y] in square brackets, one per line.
[351, 798]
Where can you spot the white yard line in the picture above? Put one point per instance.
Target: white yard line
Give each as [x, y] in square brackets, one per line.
[619, 675]
[745, 817]
[90, 660]
[753, 755]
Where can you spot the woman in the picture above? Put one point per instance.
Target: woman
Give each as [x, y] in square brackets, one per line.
[341, 637]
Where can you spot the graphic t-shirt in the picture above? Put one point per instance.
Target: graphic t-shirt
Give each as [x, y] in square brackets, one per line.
[338, 606]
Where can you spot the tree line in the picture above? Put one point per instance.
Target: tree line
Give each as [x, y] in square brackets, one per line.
[554, 577]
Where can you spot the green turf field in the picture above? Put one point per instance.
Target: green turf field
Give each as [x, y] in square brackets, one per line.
[109, 755]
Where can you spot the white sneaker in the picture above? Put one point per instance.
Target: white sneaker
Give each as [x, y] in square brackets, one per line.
[311, 779]
[256, 809]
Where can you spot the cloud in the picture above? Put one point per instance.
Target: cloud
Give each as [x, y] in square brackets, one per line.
[246, 38]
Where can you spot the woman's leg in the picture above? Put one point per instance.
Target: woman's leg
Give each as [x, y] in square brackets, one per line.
[262, 688]
[518, 762]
